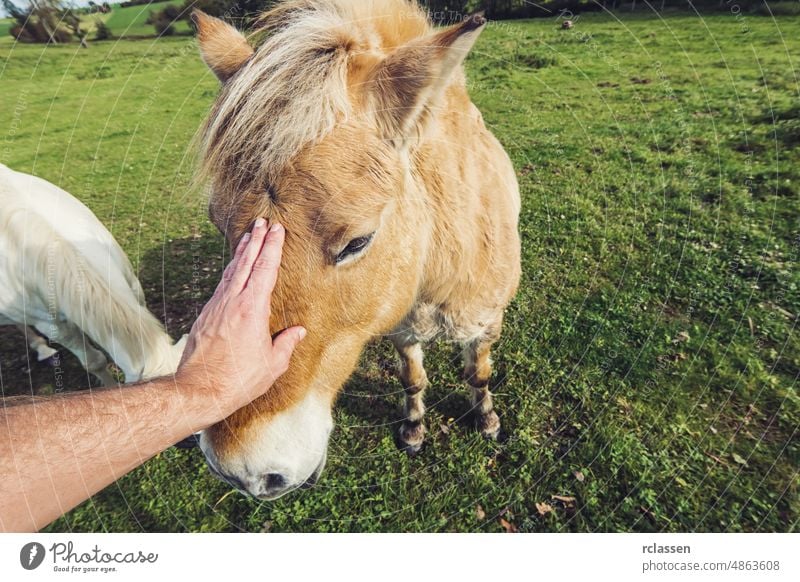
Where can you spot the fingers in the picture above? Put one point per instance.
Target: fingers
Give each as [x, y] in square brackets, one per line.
[229, 271]
[231, 268]
[283, 346]
[244, 265]
[265, 269]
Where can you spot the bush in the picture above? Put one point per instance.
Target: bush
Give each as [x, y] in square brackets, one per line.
[164, 19]
[135, 3]
[101, 30]
[171, 13]
[164, 28]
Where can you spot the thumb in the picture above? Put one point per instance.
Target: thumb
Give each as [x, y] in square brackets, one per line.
[284, 345]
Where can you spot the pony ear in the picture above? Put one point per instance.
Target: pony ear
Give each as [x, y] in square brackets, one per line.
[407, 82]
[224, 48]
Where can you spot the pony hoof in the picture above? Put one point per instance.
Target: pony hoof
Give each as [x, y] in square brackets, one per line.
[411, 437]
[489, 425]
[412, 451]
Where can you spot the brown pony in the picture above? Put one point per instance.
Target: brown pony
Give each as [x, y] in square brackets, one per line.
[351, 125]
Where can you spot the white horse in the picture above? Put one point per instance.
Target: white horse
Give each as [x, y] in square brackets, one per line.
[63, 276]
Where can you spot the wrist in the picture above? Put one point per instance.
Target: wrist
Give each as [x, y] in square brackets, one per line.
[198, 399]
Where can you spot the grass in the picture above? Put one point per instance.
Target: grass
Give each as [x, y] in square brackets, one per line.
[648, 369]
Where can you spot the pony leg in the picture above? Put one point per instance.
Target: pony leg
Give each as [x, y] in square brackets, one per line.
[71, 337]
[477, 371]
[415, 380]
[37, 343]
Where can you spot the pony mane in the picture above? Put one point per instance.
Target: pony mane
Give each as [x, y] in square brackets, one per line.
[294, 90]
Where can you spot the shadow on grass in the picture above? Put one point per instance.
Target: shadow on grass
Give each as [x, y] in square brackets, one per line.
[21, 374]
[180, 276]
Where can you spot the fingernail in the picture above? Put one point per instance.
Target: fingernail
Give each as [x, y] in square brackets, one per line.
[260, 222]
[275, 227]
[301, 333]
[246, 237]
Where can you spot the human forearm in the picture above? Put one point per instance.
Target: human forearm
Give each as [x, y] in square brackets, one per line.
[57, 451]
[60, 450]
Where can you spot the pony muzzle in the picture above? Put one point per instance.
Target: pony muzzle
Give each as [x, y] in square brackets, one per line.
[276, 455]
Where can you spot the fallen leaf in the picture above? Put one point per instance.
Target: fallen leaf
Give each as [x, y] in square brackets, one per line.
[480, 513]
[569, 502]
[544, 508]
[444, 429]
[579, 476]
[739, 459]
[681, 338]
[508, 526]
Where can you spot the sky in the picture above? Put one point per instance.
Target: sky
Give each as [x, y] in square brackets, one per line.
[67, 2]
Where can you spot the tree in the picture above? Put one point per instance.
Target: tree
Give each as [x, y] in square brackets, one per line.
[73, 22]
[45, 21]
[241, 11]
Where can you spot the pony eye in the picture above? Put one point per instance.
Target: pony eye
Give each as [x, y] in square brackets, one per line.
[354, 247]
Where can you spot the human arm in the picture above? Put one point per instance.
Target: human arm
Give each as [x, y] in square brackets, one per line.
[57, 451]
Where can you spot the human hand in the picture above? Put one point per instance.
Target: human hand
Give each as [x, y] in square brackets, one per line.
[230, 350]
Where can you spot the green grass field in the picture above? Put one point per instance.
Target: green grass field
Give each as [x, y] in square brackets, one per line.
[647, 375]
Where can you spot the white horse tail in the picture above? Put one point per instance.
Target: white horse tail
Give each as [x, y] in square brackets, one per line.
[105, 300]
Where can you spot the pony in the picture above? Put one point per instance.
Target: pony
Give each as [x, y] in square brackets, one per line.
[63, 276]
[351, 125]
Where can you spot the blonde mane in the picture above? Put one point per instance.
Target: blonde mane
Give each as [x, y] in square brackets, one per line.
[294, 89]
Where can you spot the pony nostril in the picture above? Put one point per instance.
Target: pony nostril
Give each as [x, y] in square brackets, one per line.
[274, 481]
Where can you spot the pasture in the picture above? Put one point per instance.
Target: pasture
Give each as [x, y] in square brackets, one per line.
[647, 374]
[131, 20]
